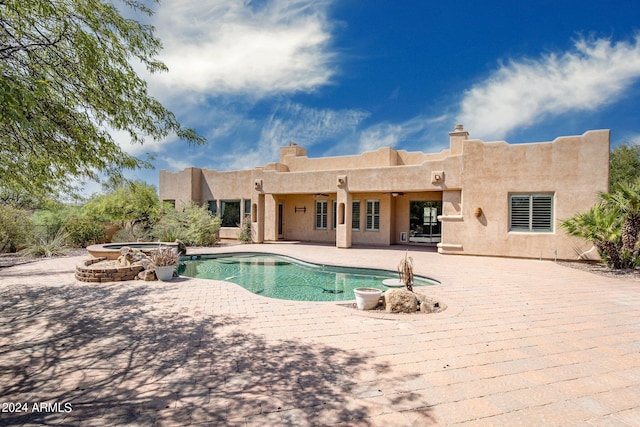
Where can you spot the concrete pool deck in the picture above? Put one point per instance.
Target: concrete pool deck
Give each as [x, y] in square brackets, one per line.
[522, 342]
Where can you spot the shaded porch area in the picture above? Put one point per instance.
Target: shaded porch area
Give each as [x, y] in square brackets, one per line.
[360, 218]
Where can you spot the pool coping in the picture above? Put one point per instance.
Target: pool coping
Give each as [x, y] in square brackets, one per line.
[449, 311]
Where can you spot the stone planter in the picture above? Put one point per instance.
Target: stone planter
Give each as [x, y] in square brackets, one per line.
[165, 273]
[367, 298]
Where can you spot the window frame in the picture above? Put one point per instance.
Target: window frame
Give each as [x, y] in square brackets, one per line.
[375, 217]
[334, 213]
[223, 206]
[539, 218]
[322, 215]
[214, 204]
[355, 216]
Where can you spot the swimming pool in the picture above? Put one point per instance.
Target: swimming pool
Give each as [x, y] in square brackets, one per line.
[282, 277]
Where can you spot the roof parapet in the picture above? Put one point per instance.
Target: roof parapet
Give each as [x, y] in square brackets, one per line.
[292, 149]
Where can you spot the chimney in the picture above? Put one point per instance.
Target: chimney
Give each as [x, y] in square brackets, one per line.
[292, 149]
[457, 138]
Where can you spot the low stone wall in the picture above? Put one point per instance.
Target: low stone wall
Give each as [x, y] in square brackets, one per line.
[86, 273]
[112, 250]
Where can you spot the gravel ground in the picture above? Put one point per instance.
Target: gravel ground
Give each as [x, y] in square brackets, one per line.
[603, 270]
[8, 260]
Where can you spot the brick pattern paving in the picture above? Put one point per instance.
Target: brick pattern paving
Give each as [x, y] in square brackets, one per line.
[522, 342]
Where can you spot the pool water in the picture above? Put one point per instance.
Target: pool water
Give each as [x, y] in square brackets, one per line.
[281, 277]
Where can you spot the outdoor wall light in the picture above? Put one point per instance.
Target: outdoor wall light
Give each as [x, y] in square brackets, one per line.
[477, 212]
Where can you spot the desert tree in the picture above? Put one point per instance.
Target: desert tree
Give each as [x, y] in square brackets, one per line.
[624, 164]
[67, 78]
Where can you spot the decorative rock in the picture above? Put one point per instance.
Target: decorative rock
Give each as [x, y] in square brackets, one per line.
[429, 306]
[129, 256]
[182, 248]
[400, 301]
[144, 263]
[147, 275]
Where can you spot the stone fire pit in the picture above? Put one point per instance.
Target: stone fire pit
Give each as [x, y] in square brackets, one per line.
[102, 270]
[130, 264]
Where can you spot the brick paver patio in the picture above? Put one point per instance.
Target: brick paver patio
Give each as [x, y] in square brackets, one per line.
[522, 342]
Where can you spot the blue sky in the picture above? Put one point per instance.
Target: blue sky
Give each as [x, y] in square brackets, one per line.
[343, 77]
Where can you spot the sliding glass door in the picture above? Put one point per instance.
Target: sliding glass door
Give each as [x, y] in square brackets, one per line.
[424, 224]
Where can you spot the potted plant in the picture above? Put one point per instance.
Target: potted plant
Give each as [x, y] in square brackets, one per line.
[164, 260]
[367, 298]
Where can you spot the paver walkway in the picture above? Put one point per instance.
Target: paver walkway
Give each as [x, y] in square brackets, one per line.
[522, 342]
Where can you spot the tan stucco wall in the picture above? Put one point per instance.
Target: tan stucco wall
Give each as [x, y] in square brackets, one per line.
[183, 187]
[472, 174]
[574, 169]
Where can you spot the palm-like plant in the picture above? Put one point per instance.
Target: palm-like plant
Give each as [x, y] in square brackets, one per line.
[613, 226]
[625, 200]
[601, 226]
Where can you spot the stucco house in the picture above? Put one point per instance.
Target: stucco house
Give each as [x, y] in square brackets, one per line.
[478, 198]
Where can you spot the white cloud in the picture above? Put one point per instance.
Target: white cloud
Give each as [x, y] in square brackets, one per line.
[389, 134]
[233, 47]
[123, 140]
[292, 122]
[522, 93]
[381, 135]
[308, 126]
[632, 138]
[176, 164]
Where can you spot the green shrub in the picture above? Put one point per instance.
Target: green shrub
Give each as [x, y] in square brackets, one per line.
[170, 227]
[53, 216]
[246, 234]
[195, 226]
[82, 231]
[202, 227]
[132, 202]
[15, 228]
[47, 245]
[132, 233]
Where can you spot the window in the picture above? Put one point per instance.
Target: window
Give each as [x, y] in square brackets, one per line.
[247, 207]
[321, 214]
[335, 214]
[531, 212]
[230, 213]
[355, 215]
[169, 204]
[212, 205]
[373, 215]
